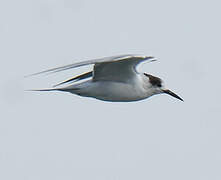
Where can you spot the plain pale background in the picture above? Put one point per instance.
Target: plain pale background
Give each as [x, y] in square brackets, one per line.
[63, 136]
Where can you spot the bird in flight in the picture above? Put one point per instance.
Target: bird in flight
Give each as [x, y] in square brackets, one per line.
[114, 79]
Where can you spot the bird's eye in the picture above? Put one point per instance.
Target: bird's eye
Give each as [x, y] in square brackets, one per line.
[159, 85]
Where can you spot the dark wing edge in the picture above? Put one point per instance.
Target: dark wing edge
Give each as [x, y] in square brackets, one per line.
[76, 78]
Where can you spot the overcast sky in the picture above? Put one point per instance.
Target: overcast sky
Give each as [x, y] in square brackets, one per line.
[61, 136]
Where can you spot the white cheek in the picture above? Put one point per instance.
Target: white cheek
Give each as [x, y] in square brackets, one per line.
[158, 91]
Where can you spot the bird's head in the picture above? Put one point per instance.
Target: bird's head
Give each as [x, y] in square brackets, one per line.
[158, 86]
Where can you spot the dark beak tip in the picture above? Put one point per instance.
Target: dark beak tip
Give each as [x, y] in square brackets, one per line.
[181, 99]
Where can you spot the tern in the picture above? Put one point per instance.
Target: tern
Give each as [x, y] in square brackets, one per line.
[114, 79]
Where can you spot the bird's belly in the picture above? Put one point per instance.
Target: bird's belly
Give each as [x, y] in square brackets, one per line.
[112, 91]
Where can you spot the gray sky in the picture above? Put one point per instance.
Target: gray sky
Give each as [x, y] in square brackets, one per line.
[63, 136]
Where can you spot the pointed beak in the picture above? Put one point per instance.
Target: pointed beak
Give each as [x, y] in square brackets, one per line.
[167, 91]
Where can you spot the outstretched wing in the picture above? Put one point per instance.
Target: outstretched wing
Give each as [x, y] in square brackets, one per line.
[115, 68]
[121, 70]
[127, 59]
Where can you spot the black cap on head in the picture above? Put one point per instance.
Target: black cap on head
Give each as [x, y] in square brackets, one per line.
[155, 81]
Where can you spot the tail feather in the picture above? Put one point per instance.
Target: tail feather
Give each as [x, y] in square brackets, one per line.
[55, 89]
[52, 89]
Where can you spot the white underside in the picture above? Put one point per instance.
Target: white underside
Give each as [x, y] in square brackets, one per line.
[113, 91]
